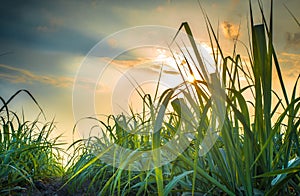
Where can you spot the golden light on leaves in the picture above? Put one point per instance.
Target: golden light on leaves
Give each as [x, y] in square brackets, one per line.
[191, 78]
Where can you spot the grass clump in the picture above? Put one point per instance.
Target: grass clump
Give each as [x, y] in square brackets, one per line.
[27, 153]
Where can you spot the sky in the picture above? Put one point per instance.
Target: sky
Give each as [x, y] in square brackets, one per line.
[43, 44]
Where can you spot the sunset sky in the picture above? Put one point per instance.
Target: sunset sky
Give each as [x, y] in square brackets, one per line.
[43, 43]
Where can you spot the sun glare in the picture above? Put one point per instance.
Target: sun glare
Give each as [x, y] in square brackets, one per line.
[166, 59]
[191, 78]
[173, 61]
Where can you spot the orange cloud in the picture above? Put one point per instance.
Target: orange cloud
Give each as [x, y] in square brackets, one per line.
[127, 63]
[291, 56]
[234, 3]
[18, 75]
[112, 42]
[159, 9]
[146, 63]
[230, 30]
[290, 63]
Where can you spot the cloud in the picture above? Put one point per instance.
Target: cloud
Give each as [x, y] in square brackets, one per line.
[44, 29]
[89, 85]
[112, 42]
[18, 75]
[55, 21]
[149, 64]
[128, 63]
[230, 30]
[235, 3]
[52, 25]
[293, 40]
[290, 63]
[159, 9]
[294, 58]
[171, 72]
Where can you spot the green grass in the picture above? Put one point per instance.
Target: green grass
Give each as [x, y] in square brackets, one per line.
[256, 152]
[27, 154]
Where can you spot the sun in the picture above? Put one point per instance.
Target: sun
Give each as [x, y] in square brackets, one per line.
[175, 61]
[191, 78]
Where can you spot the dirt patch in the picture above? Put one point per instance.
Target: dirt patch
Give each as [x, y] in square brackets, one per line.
[51, 187]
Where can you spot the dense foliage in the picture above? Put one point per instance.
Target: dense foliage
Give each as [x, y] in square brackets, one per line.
[257, 152]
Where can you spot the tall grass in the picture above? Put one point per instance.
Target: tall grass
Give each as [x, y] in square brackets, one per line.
[253, 155]
[255, 152]
[27, 153]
